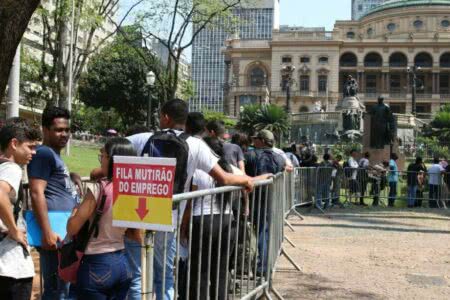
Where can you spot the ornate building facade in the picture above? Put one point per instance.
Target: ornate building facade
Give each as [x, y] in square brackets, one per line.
[379, 50]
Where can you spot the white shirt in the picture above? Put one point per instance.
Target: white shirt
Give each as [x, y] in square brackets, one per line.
[12, 260]
[435, 174]
[203, 181]
[287, 161]
[354, 165]
[200, 157]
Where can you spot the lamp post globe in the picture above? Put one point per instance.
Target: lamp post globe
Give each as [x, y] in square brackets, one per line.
[150, 79]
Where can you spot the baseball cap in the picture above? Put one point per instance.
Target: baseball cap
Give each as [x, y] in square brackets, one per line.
[265, 134]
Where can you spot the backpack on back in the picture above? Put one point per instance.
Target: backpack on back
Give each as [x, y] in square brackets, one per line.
[266, 162]
[168, 144]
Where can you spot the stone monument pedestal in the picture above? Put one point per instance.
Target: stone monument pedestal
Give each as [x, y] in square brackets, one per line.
[379, 155]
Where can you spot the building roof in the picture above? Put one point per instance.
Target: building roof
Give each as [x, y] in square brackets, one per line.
[405, 3]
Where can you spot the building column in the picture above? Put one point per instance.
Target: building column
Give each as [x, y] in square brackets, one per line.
[361, 82]
[383, 83]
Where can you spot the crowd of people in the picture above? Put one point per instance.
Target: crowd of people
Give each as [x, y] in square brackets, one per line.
[111, 265]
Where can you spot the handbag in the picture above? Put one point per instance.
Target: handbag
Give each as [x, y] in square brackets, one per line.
[71, 253]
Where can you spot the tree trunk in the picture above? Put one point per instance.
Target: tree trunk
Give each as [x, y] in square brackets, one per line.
[14, 18]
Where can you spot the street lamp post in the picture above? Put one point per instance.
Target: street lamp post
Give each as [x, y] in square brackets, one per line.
[150, 78]
[413, 71]
[287, 72]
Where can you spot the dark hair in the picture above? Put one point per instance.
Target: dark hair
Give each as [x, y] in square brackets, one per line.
[118, 146]
[436, 160]
[195, 123]
[18, 128]
[338, 157]
[217, 146]
[353, 151]
[367, 155]
[419, 160]
[177, 110]
[240, 139]
[217, 126]
[385, 163]
[394, 156]
[51, 113]
[326, 156]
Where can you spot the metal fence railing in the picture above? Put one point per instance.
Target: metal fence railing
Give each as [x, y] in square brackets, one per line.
[225, 246]
[324, 187]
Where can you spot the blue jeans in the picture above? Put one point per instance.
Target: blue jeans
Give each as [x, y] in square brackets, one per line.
[104, 276]
[158, 265]
[133, 250]
[434, 196]
[323, 195]
[392, 193]
[412, 190]
[54, 287]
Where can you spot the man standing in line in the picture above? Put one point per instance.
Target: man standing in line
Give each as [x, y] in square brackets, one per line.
[435, 178]
[352, 169]
[232, 153]
[52, 189]
[17, 143]
[363, 176]
[173, 118]
[393, 179]
[412, 180]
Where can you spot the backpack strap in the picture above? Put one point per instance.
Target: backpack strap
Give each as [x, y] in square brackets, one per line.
[20, 196]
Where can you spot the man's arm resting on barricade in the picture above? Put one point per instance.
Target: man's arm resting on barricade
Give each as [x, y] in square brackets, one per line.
[39, 204]
[225, 178]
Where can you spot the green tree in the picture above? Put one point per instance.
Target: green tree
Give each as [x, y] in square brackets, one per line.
[258, 117]
[95, 120]
[116, 78]
[218, 116]
[176, 24]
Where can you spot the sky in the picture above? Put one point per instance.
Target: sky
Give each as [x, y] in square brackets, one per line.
[314, 13]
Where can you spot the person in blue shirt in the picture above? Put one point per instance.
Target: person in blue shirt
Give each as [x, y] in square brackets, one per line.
[52, 189]
[393, 179]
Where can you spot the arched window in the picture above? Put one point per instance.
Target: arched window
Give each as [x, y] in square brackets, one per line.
[398, 59]
[424, 60]
[373, 59]
[445, 23]
[370, 32]
[445, 60]
[350, 35]
[323, 60]
[348, 60]
[257, 77]
[391, 27]
[418, 24]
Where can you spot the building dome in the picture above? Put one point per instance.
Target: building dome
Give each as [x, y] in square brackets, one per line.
[406, 3]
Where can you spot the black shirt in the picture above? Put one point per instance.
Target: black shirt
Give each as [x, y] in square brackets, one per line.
[413, 170]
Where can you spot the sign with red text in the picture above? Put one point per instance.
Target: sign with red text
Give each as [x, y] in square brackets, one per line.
[143, 190]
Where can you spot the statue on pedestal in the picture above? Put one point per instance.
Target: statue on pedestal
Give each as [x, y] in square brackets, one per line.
[350, 87]
[383, 127]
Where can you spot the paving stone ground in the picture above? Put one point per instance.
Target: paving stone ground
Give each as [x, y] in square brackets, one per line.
[366, 253]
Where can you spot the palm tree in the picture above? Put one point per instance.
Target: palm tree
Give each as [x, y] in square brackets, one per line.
[258, 117]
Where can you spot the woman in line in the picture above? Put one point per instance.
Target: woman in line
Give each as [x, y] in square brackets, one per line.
[104, 271]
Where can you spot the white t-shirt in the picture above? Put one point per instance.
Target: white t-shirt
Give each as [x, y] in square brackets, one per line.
[354, 165]
[203, 181]
[200, 157]
[12, 260]
[435, 174]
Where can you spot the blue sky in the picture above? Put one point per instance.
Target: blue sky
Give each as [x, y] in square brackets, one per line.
[314, 13]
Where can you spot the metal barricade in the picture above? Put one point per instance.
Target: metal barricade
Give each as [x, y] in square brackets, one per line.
[225, 247]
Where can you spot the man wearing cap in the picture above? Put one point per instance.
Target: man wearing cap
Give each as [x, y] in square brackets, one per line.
[262, 160]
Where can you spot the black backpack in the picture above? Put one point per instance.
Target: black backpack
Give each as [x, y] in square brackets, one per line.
[168, 144]
[266, 162]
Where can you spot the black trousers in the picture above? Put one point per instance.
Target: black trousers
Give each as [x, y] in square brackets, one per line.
[15, 289]
[217, 264]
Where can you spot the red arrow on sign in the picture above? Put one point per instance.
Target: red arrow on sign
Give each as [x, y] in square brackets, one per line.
[142, 210]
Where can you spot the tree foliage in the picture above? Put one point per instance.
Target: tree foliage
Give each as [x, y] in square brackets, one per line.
[95, 120]
[218, 116]
[258, 117]
[439, 128]
[175, 24]
[116, 78]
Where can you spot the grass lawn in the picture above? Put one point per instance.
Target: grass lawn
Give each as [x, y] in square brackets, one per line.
[82, 159]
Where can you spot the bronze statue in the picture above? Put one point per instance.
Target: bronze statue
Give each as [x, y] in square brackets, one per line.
[350, 87]
[383, 127]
